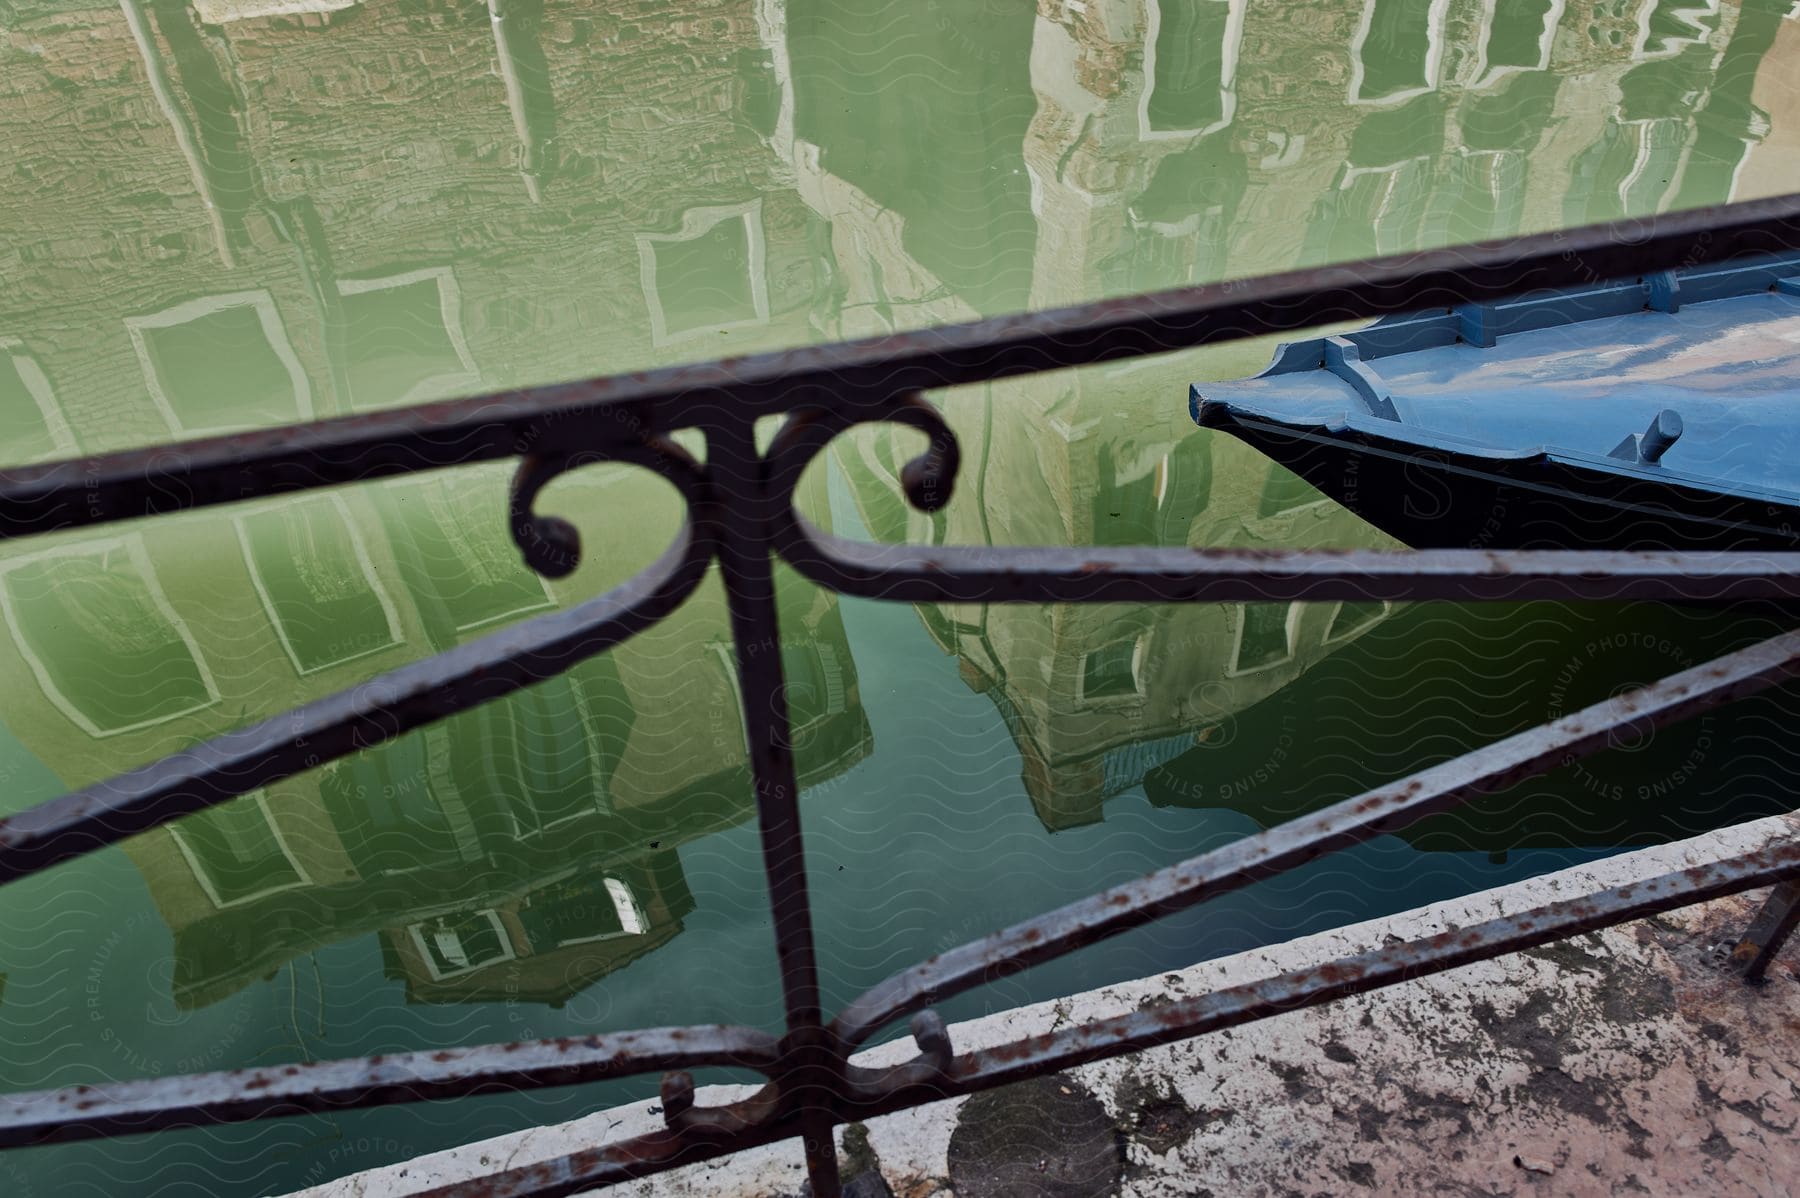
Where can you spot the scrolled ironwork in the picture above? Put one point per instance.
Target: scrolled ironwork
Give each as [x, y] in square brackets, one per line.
[740, 515]
[932, 1065]
[551, 545]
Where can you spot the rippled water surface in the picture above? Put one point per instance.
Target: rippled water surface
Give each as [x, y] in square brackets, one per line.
[236, 213]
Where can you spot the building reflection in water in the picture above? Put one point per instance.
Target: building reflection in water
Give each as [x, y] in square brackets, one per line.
[522, 849]
[289, 211]
[1160, 156]
[1447, 677]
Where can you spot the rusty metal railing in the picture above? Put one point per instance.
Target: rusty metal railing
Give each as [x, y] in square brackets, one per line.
[740, 514]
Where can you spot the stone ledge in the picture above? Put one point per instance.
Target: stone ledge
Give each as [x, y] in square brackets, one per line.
[1624, 1061]
[220, 12]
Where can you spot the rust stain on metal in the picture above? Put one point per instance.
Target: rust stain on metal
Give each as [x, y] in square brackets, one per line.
[825, 391]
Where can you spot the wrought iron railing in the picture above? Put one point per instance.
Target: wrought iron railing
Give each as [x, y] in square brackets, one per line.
[740, 514]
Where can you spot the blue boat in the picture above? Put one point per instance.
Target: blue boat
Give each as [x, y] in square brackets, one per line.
[1656, 412]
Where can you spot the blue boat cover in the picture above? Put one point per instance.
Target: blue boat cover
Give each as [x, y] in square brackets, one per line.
[1685, 377]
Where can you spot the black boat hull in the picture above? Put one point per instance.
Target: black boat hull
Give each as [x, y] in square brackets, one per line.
[1439, 499]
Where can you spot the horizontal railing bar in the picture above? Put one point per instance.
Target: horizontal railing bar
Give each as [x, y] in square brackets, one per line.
[1032, 574]
[392, 704]
[142, 1106]
[1169, 1022]
[154, 1104]
[1352, 821]
[591, 1168]
[1182, 1019]
[619, 416]
[364, 715]
[624, 408]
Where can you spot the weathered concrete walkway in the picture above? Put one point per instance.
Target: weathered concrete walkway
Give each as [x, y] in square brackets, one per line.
[1625, 1062]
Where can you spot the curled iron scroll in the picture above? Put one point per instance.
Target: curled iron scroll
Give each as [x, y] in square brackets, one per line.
[551, 545]
[930, 1067]
[928, 480]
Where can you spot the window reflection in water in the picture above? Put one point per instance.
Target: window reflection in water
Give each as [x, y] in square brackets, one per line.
[221, 215]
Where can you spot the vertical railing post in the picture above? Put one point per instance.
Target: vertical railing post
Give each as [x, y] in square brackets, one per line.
[1768, 932]
[744, 510]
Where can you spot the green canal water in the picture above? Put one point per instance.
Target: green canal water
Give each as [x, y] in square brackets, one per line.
[233, 213]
